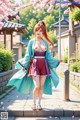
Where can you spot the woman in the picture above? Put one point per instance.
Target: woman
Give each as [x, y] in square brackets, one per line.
[39, 66]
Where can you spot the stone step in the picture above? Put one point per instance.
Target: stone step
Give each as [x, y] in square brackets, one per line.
[43, 113]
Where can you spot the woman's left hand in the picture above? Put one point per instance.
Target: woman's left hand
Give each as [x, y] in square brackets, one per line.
[52, 48]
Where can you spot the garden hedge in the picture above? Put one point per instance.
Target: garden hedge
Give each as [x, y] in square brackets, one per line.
[5, 59]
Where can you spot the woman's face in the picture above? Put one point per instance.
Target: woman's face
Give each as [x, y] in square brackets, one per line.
[38, 33]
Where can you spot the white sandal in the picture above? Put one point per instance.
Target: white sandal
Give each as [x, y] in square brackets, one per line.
[34, 107]
[39, 107]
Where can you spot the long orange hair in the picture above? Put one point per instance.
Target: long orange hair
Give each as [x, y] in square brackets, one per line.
[41, 25]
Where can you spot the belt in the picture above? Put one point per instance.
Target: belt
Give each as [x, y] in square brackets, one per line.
[39, 56]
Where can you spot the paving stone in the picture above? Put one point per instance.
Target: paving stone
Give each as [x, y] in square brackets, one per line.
[11, 118]
[68, 112]
[46, 112]
[76, 118]
[58, 112]
[15, 113]
[76, 112]
[66, 118]
[30, 113]
[69, 118]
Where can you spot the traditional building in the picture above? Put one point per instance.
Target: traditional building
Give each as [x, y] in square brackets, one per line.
[70, 37]
[64, 25]
[10, 37]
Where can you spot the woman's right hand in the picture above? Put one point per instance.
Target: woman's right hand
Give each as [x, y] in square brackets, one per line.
[23, 69]
[60, 60]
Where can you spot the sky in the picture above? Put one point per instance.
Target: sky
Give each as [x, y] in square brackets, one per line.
[19, 0]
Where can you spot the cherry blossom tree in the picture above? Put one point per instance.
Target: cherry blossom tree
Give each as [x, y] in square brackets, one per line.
[49, 4]
[42, 4]
[7, 8]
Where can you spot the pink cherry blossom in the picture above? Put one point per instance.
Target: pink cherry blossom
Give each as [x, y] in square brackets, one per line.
[1, 18]
[50, 8]
[42, 5]
[6, 18]
[52, 2]
[17, 17]
[66, 11]
[63, 5]
[6, 8]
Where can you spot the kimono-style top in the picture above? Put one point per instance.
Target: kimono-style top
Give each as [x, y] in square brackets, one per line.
[23, 82]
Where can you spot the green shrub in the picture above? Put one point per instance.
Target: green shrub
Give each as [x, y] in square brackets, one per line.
[65, 59]
[78, 66]
[5, 59]
[23, 53]
[0, 67]
[5, 90]
[75, 14]
[1, 45]
[75, 67]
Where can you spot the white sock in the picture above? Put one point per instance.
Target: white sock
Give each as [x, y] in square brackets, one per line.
[39, 101]
[34, 101]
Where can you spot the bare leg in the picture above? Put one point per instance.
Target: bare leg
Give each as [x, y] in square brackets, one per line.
[35, 91]
[40, 91]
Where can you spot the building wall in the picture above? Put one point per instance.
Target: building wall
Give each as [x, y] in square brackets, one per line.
[8, 41]
[1, 39]
[77, 32]
[16, 39]
[17, 49]
[67, 44]
[56, 31]
[64, 45]
[55, 51]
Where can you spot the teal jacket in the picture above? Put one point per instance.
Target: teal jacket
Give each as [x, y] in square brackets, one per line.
[25, 83]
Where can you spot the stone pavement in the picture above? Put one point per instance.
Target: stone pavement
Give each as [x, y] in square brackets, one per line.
[19, 105]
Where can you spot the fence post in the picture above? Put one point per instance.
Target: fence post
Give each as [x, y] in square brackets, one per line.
[66, 85]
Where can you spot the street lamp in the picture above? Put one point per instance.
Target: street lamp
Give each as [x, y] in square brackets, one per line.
[59, 41]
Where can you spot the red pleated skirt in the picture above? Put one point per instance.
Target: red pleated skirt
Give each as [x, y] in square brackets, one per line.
[39, 65]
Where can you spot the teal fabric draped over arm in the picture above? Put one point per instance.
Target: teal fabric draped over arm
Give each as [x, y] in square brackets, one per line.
[53, 63]
[23, 83]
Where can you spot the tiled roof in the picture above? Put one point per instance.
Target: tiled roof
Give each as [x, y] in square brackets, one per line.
[64, 23]
[8, 25]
